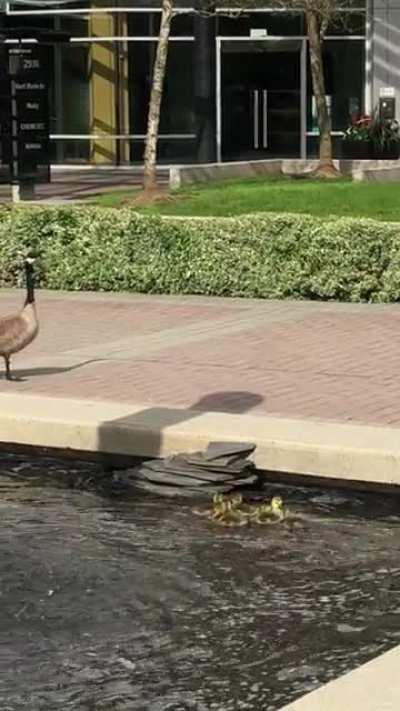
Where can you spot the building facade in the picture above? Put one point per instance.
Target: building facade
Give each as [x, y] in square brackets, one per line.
[237, 87]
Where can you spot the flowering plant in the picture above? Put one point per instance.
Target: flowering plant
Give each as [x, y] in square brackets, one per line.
[359, 130]
[382, 133]
[385, 133]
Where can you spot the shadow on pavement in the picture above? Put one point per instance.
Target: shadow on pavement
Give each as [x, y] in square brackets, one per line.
[23, 373]
[154, 421]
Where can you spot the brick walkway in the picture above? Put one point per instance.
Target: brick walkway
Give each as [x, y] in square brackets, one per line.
[291, 359]
[78, 184]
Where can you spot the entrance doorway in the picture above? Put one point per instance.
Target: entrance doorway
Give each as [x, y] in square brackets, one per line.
[261, 99]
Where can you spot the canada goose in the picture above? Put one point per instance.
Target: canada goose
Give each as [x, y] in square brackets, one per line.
[18, 331]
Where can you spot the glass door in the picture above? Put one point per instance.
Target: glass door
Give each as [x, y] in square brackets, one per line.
[260, 94]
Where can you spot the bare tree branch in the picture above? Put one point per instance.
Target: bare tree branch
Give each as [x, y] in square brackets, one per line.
[153, 120]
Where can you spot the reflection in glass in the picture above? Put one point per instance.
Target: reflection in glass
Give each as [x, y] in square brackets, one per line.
[344, 62]
[260, 95]
[177, 111]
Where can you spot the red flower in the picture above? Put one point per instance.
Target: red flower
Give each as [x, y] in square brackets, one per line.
[364, 121]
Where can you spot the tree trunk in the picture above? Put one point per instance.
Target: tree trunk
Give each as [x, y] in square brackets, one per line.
[326, 167]
[153, 121]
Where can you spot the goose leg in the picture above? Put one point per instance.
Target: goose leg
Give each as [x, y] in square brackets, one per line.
[8, 369]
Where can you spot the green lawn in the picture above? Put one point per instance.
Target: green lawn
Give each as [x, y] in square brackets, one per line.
[339, 197]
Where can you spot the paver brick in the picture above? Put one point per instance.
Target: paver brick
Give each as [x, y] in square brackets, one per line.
[293, 359]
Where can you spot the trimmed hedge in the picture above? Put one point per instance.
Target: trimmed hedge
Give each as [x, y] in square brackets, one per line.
[266, 256]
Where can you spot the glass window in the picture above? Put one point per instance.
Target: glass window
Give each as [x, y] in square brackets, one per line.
[38, 9]
[26, 22]
[344, 76]
[147, 24]
[279, 23]
[69, 95]
[74, 25]
[169, 150]
[152, 4]
[177, 104]
[353, 3]
[347, 23]
[313, 147]
[70, 151]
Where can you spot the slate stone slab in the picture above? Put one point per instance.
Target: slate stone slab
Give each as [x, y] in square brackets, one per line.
[216, 450]
[216, 465]
[187, 491]
[166, 478]
[223, 467]
[178, 466]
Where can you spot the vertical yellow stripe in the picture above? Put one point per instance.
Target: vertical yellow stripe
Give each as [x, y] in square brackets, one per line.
[122, 25]
[103, 93]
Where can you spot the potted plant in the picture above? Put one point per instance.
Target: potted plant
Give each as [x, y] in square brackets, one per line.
[385, 134]
[372, 138]
[357, 139]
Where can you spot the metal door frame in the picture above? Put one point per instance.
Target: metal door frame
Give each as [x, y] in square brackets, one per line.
[303, 86]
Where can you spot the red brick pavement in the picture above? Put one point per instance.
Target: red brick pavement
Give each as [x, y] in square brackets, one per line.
[79, 184]
[321, 361]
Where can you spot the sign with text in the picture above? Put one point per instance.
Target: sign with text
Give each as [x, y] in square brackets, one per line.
[24, 117]
[387, 92]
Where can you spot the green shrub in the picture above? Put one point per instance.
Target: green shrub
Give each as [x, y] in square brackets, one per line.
[266, 256]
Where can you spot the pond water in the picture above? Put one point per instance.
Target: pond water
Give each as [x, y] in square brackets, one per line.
[134, 603]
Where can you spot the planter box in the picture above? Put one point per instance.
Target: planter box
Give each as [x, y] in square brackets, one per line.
[391, 152]
[365, 150]
[358, 150]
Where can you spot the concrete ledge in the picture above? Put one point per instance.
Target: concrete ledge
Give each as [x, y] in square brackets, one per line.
[372, 687]
[319, 449]
[384, 174]
[206, 172]
[371, 170]
[358, 169]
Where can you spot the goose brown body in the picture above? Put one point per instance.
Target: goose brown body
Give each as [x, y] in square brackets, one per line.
[19, 330]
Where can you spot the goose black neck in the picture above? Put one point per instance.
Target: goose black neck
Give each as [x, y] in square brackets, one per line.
[30, 285]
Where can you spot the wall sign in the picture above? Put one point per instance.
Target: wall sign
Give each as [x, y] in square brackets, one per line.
[24, 117]
[387, 92]
[258, 33]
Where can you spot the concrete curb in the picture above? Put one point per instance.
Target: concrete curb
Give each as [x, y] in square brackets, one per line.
[187, 174]
[363, 454]
[372, 687]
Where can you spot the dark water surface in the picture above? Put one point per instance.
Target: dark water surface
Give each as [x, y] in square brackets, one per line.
[136, 604]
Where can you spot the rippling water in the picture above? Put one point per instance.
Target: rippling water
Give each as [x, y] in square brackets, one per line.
[109, 602]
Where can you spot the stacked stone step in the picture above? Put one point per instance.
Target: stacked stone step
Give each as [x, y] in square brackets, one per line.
[220, 469]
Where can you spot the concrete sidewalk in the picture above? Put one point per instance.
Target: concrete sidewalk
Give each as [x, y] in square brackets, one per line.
[80, 183]
[319, 361]
[314, 385]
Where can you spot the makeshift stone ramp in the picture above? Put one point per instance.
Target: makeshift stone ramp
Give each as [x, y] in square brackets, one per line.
[221, 468]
